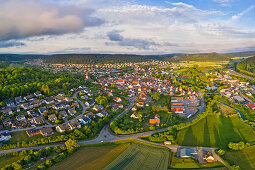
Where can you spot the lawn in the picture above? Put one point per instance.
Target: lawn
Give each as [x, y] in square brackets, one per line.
[7, 159]
[96, 157]
[19, 137]
[215, 131]
[245, 158]
[139, 156]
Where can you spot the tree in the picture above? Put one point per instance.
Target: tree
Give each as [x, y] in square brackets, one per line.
[156, 96]
[16, 166]
[221, 152]
[165, 109]
[71, 145]
[136, 99]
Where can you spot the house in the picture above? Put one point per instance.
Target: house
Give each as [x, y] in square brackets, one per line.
[42, 110]
[102, 114]
[46, 131]
[37, 120]
[209, 157]
[5, 137]
[7, 122]
[177, 109]
[89, 103]
[29, 97]
[9, 103]
[37, 94]
[85, 120]
[117, 99]
[98, 107]
[7, 111]
[84, 97]
[167, 142]
[20, 118]
[185, 152]
[110, 94]
[33, 113]
[52, 117]
[72, 111]
[251, 106]
[74, 125]
[140, 104]
[63, 114]
[239, 99]
[49, 100]
[134, 115]
[76, 104]
[63, 127]
[68, 99]
[33, 132]
[18, 100]
[16, 109]
[134, 109]
[90, 115]
[59, 98]
[155, 120]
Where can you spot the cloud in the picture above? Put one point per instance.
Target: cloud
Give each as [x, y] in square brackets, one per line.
[11, 43]
[238, 16]
[130, 42]
[27, 18]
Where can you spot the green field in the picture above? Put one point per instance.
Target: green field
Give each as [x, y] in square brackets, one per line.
[244, 158]
[215, 131]
[96, 157]
[139, 156]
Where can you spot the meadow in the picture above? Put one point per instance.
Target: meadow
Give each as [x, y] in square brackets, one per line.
[244, 158]
[91, 157]
[214, 131]
[139, 156]
[225, 110]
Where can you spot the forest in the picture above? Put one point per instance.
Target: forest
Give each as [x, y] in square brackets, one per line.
[94, 58]
[247, 65]
[202, 57]
[23, 81]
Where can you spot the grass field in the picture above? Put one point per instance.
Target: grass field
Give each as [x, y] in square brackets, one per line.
[21, 136]
[216, 132]
[245, 158]
[7, 159]
[96, 157]
[225, 110]
[139, 156]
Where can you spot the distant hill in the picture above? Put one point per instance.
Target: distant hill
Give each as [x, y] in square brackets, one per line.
[242, 54]
[94, 58]
[18, 57]
[247, 65]
[202, 57]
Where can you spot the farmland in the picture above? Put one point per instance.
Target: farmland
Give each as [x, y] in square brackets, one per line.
[139, 156]
[7, 159]
[93, 157]
[245, 159]
[216, 132]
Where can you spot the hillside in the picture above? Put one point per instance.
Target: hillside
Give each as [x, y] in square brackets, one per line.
[247, 65]
[94, 58]
[202, 57]
[18, 57]
[241, 54]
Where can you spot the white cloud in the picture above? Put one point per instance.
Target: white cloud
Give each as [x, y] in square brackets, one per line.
[241, 14]
[26, 18]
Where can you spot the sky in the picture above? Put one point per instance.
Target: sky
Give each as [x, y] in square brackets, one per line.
[126, 26]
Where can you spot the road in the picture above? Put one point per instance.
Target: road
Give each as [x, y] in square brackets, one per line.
[233, 72]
